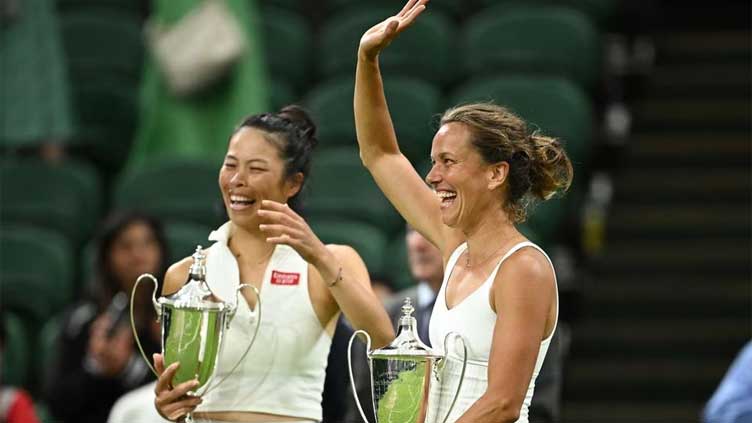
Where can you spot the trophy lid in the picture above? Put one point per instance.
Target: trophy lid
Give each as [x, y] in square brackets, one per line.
[195, 294]
[407, 344]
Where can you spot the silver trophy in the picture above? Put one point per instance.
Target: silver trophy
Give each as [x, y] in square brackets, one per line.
[402, 373]
[193, 323]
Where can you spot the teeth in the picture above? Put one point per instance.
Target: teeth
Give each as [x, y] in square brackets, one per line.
[239, 198]
[445, 194]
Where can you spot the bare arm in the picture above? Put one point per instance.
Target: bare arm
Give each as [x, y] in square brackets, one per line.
[523, 295]
[377, 140]
[176, 276]
[352, 292]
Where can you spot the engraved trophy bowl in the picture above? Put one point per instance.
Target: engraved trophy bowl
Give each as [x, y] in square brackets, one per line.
[402, 373]
[193, 322]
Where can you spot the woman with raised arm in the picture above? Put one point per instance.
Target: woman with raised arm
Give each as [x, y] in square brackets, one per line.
[304, 284]
[487, 166]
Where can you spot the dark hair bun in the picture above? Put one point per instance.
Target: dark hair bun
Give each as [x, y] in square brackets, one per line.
[302, 121]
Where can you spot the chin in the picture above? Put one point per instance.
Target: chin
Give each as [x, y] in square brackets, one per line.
[450, 221]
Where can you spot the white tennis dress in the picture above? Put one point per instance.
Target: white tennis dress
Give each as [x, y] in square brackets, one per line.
[474, 320]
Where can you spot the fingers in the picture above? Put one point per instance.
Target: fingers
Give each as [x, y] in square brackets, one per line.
[284, 239]
[158, 363]
[174, 408]
[178, 409]
[180, 413]
[412, 14]
[283, 218]
[163, 383]
[276, 206]
[279, 230]
[409, 5]
[98, 329]
[170, 396]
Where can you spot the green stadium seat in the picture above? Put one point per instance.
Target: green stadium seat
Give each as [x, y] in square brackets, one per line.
[543, 40]
[130, 6]
[412, 103]
[17, 352]
[597, 10]
[36, 271]
[280, 94]
[340, 187]
[99, 39]
[330, 104]
[107, 118]
[183, 237]
[173, 189]
[453, 8]
[368, 240]
[426, 51]
[64, 197]
[288, 45]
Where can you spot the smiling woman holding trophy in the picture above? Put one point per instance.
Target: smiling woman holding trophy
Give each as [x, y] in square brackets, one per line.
[487, 166]
[303, 285]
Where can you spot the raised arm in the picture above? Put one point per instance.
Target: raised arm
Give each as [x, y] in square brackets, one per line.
[377, 140]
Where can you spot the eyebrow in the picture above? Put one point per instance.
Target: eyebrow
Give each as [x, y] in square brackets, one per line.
[442, 155]
[230, 156]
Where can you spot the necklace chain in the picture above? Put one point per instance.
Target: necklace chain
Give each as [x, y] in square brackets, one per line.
[467, 258]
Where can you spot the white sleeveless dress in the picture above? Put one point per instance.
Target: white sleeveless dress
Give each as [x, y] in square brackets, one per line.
[285, 368]
[474, 320]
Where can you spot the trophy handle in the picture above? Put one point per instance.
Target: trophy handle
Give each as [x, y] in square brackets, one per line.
[133, 322]
[462, 373]
[255, 332]
[350, 369]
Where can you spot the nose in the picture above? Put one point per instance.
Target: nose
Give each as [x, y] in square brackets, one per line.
[238, 178]
[434, 176]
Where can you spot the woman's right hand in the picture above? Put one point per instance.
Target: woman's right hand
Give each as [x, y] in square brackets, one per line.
[172, 403]
[379, 36]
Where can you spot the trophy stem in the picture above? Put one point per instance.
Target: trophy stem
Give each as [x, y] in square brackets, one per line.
[350, 369]
[133, 322]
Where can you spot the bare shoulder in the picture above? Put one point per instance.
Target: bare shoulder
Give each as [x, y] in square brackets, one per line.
[176, 275]
[527, 269]
[344, 252]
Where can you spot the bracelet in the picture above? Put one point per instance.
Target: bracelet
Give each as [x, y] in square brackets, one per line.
[337, 279]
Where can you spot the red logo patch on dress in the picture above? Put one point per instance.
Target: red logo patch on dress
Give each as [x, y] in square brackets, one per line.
[284, 278]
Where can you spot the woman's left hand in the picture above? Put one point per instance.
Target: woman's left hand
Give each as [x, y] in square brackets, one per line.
[283, 226]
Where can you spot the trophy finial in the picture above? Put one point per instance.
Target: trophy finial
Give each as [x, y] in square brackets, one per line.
[198, 268]
[407, 308]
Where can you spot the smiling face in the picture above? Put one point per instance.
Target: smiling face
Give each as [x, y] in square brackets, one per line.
[465, 184]
[253, 171]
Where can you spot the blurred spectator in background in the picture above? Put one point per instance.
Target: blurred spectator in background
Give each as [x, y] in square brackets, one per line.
[732, 401]
[35, 109]
[97, 359]
[15, 404]
[198, 124]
